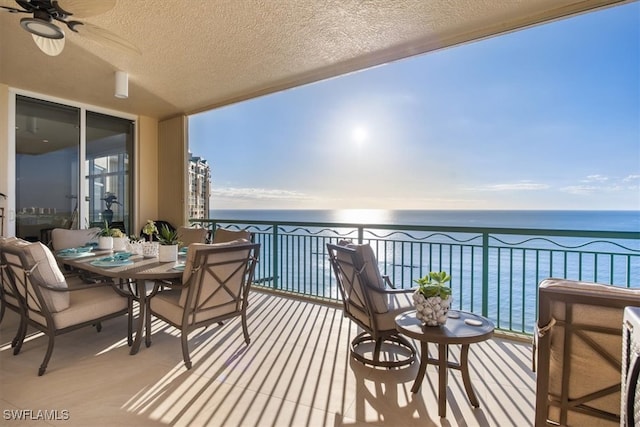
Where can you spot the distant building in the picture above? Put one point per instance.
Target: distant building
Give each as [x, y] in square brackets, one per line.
[199, 187]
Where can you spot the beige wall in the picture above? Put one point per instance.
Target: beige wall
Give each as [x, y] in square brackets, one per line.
[172, 158]
[146, 184]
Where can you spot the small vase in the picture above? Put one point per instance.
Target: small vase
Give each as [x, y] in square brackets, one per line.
[135, 248]
[432, 311]
[168, 253]
[105, 243]
[150, 249]
[120, 244]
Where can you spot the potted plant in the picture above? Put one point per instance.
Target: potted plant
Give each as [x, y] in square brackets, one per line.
[150, 229]
[109, 199]
[433, 298]
[168, 244]
[120, 240]
[105, 239]
[135, 244]
[150, 248]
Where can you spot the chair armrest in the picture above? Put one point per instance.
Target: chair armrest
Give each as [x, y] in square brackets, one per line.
[388, 291]
[173, 284]
[388, 282]
[74, 287]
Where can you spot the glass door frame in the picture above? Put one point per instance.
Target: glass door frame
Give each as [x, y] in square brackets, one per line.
[83, 202]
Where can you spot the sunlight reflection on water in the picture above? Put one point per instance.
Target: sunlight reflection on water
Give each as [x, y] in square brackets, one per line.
[362, 216]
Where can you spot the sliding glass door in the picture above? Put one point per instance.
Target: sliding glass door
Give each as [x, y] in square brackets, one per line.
[47, 173]
[52, 153]
[108, 160]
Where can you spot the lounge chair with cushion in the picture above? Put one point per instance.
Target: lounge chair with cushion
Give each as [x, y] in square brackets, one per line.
[9, 297]
[579, 352]
[189, 235]
[215, 287]
[372, 305]
[222, 235]
[61, 238]
[55, 304]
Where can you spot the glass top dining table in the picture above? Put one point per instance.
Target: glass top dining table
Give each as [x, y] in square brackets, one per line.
[137, 271]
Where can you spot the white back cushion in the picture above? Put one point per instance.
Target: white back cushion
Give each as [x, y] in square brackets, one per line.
[62, 238]
[48, 273]
[372, 275]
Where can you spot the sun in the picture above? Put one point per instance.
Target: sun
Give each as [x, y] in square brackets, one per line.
[359, 134]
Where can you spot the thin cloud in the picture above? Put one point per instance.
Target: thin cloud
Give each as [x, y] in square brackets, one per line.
[601, 184]
[516, 186]
[596, 178]
[257, 193]
[580, 189]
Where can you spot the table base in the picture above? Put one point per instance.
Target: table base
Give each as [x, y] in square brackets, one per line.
[444, 364]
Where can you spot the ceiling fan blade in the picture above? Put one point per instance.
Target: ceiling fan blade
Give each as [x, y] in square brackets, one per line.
[102, 36]
[84, 8]
[8, 6]
[51, 47]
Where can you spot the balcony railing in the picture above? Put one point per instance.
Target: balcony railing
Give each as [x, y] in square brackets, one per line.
[495, 271]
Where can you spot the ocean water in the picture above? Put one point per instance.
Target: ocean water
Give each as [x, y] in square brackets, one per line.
[543, 219]
[516, 264]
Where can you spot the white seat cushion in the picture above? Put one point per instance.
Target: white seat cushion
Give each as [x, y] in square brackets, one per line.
[167, 303]
[85, 305]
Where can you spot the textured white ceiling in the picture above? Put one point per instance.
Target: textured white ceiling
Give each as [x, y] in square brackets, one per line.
[200, 54]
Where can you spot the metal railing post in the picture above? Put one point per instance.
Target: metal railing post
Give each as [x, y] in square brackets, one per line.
[360, 234]
[485, 274]
[274, 257]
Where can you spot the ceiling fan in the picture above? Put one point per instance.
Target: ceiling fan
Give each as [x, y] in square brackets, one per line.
[50, 37]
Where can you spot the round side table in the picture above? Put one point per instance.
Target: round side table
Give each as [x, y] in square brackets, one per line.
[464, 330]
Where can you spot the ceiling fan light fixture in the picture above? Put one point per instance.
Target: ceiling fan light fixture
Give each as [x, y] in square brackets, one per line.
[52, 47]
[122, 85]
[42, 28]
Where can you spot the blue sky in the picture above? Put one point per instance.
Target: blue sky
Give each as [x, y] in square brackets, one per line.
[543, 118]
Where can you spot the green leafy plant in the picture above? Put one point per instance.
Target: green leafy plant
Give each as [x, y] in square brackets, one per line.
[168, 236]
[135, 238]
[105, 231]
[433, 284]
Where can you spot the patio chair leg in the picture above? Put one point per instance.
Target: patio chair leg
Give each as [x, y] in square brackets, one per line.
[245, 330]
[376, 350]
[2, 308]
[20, 335]
[130, 323]
[47, 356]
[147, 325]
[185, 349]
